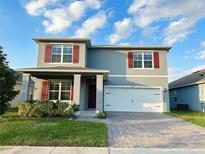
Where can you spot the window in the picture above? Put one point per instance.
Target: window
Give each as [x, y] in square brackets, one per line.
[60, 90]
[147, 60]
[138, 60]
[67, 54]
[61, 53]
[143, 60]
[56, 53]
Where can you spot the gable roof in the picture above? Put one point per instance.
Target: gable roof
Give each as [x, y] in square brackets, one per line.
[191, 79]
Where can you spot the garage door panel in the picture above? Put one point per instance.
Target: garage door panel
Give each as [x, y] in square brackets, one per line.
[133, 99]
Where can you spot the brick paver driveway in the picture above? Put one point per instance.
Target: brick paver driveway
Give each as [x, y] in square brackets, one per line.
[152, 130]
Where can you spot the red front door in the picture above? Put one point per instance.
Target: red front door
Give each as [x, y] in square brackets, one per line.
[91, 95]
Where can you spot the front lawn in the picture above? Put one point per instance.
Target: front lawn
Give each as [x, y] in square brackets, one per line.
[50, 131]
[197, 118]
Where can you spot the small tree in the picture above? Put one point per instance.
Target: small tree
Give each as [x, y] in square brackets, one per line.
[7, 82]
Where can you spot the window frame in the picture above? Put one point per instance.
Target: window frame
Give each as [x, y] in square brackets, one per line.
[59, 90]
[61, 59]
[143, 52]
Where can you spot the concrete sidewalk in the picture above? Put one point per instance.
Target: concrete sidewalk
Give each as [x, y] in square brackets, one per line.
[92, 150]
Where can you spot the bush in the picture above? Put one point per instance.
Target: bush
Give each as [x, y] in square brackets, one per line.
[25, 109]
[101, 115]
[45, 109]
[67, 112]
[76, 107]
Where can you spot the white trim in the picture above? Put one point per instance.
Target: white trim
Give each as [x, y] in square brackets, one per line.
[137, 76]
[139, 87]
[61, 60]
[66, 71]
[37, 54]
[143, 52]
[59, 90]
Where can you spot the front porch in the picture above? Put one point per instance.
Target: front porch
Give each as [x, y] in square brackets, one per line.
[80, 86]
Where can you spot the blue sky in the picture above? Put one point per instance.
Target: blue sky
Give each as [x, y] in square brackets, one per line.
[180, 24]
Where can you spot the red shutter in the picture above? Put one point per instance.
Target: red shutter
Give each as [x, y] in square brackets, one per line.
[44, 94]
[130, 59]
[75, 53]
[156, 59]
[47, 53]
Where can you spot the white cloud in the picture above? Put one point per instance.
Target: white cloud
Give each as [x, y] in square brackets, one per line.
[171, 39]
[136, 5]
[37, 7]
[58, 20]
[203, 44]
[91, 25]
[122, 30]
[201, 54]
[60, 17]
[176, 73]
[182, 15]
[148, 31]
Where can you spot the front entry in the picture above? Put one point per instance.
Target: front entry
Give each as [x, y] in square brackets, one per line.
[91, 95]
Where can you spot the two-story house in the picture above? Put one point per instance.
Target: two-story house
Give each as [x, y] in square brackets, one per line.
[104, 77]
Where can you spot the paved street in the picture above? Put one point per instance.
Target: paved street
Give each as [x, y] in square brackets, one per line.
[152, 130]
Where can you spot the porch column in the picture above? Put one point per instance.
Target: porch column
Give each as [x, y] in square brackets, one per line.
[25, 86]
[99, 93]
[76, 90]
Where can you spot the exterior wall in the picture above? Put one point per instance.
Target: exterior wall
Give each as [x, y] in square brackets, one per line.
[83, 95]
[37, 89]
[83, 92]
[116, 62]
[188, 95]
[41, 54]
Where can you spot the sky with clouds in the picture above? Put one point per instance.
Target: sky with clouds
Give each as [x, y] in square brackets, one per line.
[180, 24]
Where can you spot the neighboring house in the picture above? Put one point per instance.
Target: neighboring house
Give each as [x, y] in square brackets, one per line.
[189, 90]
[18, 87]
[105, 78]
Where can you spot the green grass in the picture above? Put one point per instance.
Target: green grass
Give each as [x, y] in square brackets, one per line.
[50, 131]
[197, 118]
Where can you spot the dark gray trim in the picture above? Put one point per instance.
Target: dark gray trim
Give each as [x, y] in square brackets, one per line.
[131, 47]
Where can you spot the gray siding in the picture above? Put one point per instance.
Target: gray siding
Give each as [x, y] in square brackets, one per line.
[116, 62]
[188, 95]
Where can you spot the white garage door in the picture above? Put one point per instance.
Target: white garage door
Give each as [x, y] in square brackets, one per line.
[133, 99]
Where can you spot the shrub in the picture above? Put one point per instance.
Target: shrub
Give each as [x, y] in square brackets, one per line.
[101, 115]
[25, 109]
[45, 109]
[75, 107]
[67, 112]
[61, 106]
[42, 109]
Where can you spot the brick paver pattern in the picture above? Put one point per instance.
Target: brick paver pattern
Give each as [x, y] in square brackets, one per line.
[152, 130]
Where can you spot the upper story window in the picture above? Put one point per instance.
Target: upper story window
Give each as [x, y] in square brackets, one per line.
[143, 60]
[61, 53]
